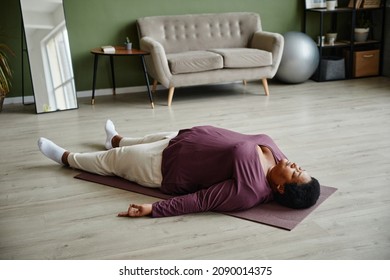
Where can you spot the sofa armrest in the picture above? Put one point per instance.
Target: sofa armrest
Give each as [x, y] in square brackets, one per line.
[271, 42]
[158, 66]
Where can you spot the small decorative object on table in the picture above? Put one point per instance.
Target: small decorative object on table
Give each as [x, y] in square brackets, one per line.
[128, 44]
[108, 49]
[315, 4]
[331, 5]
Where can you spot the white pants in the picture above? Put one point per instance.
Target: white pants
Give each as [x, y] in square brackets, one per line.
[136, 159]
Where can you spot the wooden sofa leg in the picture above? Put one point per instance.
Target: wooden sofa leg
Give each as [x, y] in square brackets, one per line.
[155, 82]
[170, 95]
[244, 82]
[265, 86]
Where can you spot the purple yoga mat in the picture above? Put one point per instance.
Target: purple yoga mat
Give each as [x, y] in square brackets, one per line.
[271, 214]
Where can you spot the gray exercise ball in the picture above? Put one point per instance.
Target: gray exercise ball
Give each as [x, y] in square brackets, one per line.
[300, 58]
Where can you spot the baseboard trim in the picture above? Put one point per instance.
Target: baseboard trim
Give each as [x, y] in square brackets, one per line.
[19, 100]
[108, 91]
[84, 93]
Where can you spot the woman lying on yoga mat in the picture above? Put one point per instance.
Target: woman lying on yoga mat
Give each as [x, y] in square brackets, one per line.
[206, 168]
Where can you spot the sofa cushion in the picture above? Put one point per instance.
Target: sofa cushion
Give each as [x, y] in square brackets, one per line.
[194, 61]
[244, 57]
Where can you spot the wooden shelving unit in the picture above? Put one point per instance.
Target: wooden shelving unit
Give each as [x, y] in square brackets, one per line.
[343, 21]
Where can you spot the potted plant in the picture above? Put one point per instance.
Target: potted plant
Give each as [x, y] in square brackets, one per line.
[5, 73]
[128, 44]
[362, 27]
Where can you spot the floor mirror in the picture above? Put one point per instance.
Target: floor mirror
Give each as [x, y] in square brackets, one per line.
[49, 55]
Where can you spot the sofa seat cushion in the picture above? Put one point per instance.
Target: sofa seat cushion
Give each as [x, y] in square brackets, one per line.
[194, 61]
[244, 57]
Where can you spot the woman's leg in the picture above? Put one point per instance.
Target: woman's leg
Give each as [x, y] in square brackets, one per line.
[51, 150]
[114, 140]
[150, 138]
[138, 163]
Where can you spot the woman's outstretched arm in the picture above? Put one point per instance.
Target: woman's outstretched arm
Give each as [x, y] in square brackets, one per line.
[136, 210]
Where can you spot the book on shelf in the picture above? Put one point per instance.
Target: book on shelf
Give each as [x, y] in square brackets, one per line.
[371, 3]
[356, 2]
[108, 49]
[364, 3]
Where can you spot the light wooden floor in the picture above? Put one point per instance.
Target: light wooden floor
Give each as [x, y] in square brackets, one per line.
[339, 131]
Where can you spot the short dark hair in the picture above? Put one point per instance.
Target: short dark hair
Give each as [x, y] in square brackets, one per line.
[299, 196]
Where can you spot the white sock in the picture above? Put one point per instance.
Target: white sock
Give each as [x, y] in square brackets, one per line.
[110, 132]
[51, 150]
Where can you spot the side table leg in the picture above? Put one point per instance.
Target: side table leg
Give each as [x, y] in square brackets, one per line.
[113, 74]
[147, 81]
[95, 64]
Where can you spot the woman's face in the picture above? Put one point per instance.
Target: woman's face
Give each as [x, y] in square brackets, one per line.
[285, 172]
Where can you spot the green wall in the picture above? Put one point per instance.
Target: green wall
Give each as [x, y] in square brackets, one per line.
[93, 23]
[10, 33]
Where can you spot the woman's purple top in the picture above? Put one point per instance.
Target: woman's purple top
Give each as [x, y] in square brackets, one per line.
[213, 169]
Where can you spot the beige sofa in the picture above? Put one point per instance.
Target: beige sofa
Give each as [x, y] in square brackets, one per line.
[198, 49]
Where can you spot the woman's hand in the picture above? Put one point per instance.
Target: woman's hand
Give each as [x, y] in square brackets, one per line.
[137, 211]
